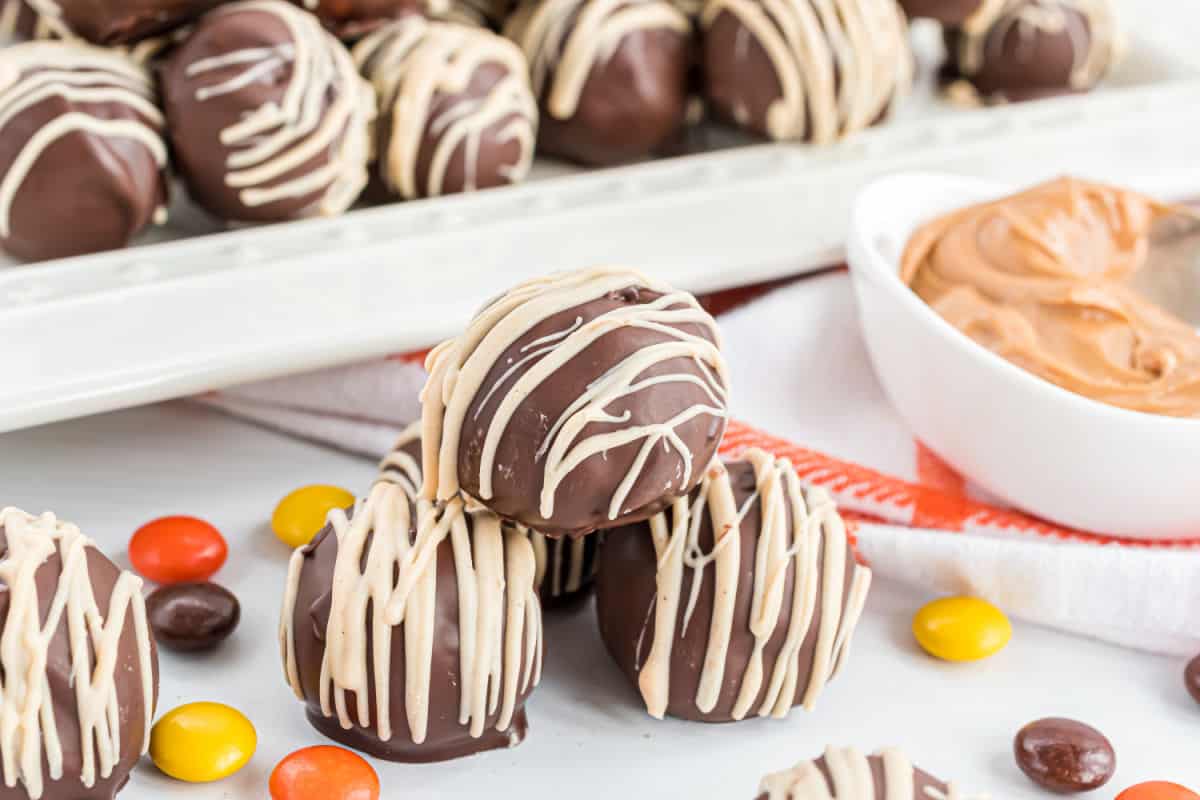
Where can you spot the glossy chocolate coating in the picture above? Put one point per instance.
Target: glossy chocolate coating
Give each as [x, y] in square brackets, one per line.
[583, 498]
[112, 22]
[925, 786]
[446, 737]
[197, 123]
[626, 589]
[1191, 678]
[350, 19]
[1020, 62]
[1064, 756]
[947, 12]
[632, 103]
[87, 191]
[61, 684]
[192, 616]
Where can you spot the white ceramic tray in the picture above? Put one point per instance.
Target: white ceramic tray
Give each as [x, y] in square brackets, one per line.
[172, 318]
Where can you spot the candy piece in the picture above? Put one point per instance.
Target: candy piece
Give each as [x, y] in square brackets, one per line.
[1063, 755]
[202, 742]
[302, 513]
[324, 773]
[1191, 678]
[961, 629]
[177, 550]
[192, 616]
[1158, 790]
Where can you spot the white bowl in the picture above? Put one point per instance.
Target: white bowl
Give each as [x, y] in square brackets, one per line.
[1053, 453]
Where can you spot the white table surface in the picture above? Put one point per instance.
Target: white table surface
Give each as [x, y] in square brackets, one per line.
[589, 737]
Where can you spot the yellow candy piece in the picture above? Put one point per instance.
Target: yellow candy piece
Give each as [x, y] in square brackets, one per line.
[301, 515]
[202, 742]
[961, 629]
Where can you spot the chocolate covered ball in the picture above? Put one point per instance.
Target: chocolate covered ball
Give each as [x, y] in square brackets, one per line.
[1025, 49]
[456, 112]
[738, 601]
[350, 19]
[611, 78]
[81, 150]
[268, 115]
[578, 401]
[845, 773]
[75, 649]
[947, 12]
[453, 592]
[563, 568]
[114, 22]
[788, 71]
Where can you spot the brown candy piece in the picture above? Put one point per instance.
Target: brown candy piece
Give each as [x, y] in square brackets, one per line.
[192, 616]
[1191, 678]
[1064, 755]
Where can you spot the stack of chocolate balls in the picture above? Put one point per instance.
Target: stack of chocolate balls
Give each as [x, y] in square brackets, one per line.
[578, 406]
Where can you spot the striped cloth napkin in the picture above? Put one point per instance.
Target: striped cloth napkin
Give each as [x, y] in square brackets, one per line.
[801, 376]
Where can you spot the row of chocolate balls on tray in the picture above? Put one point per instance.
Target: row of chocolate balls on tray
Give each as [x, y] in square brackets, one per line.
[267, 117]
[581, 405]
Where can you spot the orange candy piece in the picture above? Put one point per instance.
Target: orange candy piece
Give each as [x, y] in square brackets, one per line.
[177, 550]
[324, 772]
[1158, 790]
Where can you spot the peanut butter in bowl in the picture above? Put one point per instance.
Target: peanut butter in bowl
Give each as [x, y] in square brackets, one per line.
[1048, 279]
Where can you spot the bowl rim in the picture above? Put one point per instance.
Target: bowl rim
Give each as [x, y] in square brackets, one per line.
[865, 261]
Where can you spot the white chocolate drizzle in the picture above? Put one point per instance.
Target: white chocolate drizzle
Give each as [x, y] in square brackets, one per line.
[852, 779]
[564, 40]
[800, 531]
[412, 63]
[1096, 43]
[80, 76]
[388, 565]
[29, 734]
[323, 112]
[841, 64]
[561, 566]
[459, 367]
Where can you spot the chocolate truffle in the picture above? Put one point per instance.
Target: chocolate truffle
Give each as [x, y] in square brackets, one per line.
[268, 116]
[75, 648]
[81, 150]
[350, 19]
[1013, 50]
[789, 70]
[610, 75]
[844, 773]
[453, 592]
[456, 110]
[738, 601]
[563, 568]
[114, 22]
[579, 401]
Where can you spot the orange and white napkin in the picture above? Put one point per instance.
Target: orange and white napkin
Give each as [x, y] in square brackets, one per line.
[803, 388]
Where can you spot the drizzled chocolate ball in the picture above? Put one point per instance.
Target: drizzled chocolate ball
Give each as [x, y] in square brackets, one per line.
[268, 116]
[738, 601]
[454, 592]
[787, 71]
[81, 150]
[611, 78]
[1025, 49]
[96, 672]
[117, 21]
[456, 112]
[580, 401]
[844, 773]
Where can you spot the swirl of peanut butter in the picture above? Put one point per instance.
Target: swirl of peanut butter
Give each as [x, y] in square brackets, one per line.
[1045, 278]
